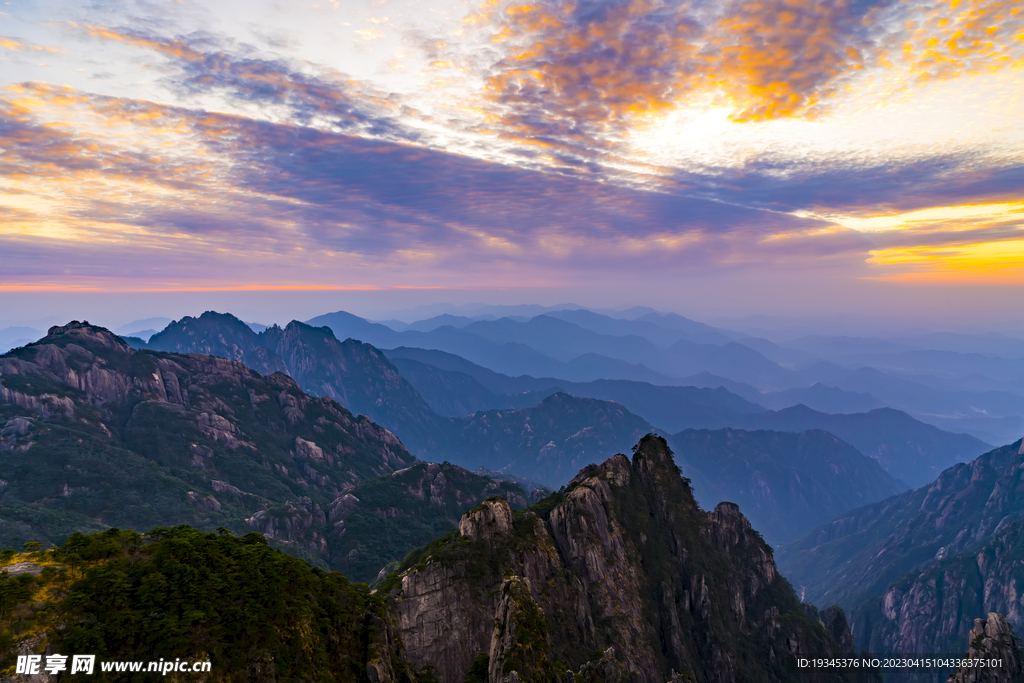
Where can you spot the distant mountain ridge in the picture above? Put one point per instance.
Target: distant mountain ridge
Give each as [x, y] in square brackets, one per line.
[549, 345]
[547, 442]
[784, 480]
[907, 448]
[356, 375]
[670, 407]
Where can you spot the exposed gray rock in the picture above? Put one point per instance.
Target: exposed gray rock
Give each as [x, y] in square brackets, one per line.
[515, 602]
[992, 639]
[298, 521]
[308, 450]
[16, 426]
[33, 645]
[23, 568]
[625, 558]
[493, 518]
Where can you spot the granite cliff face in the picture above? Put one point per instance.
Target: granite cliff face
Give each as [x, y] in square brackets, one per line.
[621, 575]
[916, 569]
[861, 552]
[992, 639]
[930, 610]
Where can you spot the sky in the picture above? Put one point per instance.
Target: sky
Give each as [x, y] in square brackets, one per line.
[845, 158]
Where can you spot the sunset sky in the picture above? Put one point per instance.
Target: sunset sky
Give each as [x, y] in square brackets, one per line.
[741, 156]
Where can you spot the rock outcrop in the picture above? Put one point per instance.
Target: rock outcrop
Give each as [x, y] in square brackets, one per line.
[298, 522]
[622, 563]
[992, 640]
[492, 520]
[518, 643]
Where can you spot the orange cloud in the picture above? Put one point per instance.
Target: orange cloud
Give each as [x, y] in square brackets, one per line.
[568, 74]
[951, 38]
[173, 48]
[982, 263]
[17, 45]
[587, 72]
[776, 58]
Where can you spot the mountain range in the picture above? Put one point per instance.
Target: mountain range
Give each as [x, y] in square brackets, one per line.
[548, 440]
[959, 382]
[916, 569]
[964, 383]
[237, 431]
[910, 450]
[544, 443]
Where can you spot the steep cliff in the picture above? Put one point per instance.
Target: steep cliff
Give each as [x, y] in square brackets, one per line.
[992, 640]
[930, 610]
[860, 553]
[621, 573]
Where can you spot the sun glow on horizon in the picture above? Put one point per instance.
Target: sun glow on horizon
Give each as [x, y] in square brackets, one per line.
[983, 263]
[937, 217]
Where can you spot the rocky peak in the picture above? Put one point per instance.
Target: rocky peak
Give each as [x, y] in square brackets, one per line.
[652, 454]
[85, 334]
[992, 638]
[491, 519]
[622, 557]
[218, 334]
